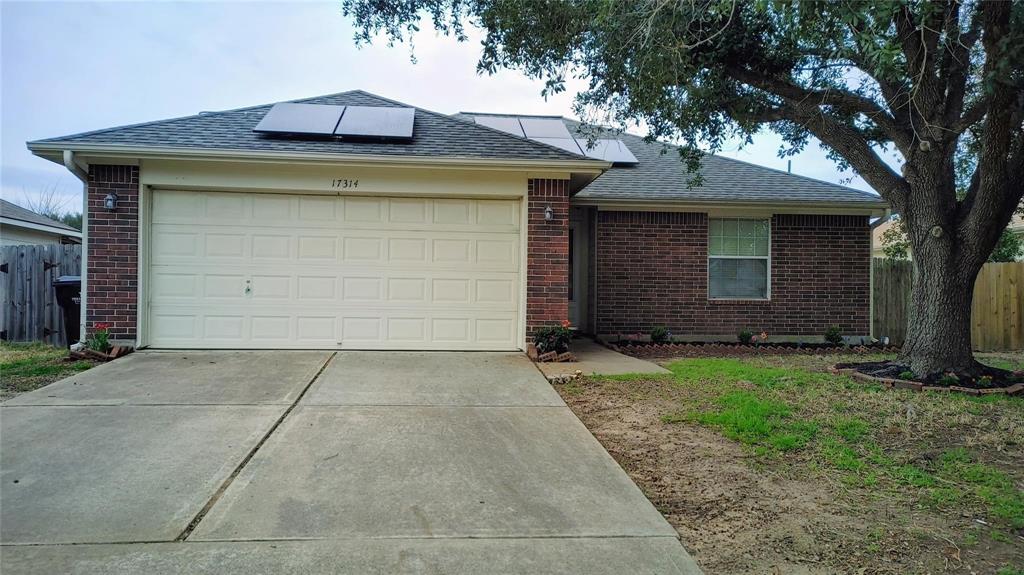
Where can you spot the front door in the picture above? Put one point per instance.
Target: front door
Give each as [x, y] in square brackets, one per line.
[579, 228]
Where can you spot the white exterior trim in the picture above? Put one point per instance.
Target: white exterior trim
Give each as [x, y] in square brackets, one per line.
[735, 208]
[39, 227]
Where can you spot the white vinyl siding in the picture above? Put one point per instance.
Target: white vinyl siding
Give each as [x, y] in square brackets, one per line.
[261, 270]
[739, 258]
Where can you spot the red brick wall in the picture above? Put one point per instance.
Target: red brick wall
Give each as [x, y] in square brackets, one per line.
[547, 254]
[113, 244]
[652, 270]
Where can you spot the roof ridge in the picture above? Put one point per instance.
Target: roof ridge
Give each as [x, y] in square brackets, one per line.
[194, 116]
[439, 115]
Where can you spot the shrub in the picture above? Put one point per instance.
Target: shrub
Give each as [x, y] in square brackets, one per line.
[833, 335]
[660, 334]
[907, 375]
[553, 338]
[745, 336]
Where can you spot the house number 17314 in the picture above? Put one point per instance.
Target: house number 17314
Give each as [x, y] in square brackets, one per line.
[344, 184]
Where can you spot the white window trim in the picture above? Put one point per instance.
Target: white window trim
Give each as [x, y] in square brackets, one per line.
[767, 259]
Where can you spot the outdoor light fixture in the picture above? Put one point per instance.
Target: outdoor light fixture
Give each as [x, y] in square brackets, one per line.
[110, 202]
[549, 214]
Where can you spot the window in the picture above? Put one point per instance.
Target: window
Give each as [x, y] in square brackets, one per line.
[738, 258]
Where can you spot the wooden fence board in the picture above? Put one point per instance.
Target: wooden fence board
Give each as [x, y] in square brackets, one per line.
[30, 311]
[997, 313]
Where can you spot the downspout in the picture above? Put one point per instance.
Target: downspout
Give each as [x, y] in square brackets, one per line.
[82, 174]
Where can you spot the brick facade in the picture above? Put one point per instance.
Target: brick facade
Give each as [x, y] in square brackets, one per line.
[652, 270]
[547, 254]
[113, 251]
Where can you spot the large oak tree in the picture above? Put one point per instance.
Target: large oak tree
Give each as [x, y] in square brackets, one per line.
[921, 79]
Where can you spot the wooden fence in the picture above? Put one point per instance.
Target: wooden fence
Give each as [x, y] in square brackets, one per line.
[30, 311]
[997, 316]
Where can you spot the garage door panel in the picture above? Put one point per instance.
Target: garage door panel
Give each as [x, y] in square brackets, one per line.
[316, 271]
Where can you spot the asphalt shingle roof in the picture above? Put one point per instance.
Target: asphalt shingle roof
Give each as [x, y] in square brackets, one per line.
[434, 135]
[661, 175]
[16, 212]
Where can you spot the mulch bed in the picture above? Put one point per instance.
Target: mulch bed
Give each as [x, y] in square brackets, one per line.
[986, 381]
[719, 349]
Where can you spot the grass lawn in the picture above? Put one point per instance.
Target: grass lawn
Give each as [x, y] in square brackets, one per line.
[28, 366]
[774, 465]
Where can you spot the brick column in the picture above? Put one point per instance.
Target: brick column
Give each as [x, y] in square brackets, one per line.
[547, 254]
[113, 251]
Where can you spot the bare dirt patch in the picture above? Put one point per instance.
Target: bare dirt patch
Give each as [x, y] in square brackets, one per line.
[738, 511]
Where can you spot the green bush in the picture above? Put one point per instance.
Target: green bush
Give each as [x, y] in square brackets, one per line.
[745, 336]
[552, 338]
[833, 335]
[660, 334]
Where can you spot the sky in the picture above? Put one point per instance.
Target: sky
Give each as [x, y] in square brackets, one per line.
[72, 67]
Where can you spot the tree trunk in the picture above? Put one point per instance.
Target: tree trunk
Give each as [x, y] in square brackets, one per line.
[939, 330]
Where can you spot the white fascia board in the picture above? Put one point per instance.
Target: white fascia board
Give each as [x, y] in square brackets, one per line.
[735, 208]
[130, 155]
[40, 227]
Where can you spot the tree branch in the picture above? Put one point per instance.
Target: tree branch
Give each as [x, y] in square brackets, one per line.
[841, 99]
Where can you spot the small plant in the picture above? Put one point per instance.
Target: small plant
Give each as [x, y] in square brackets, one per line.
[833, 335]
[100, 340]
[759, 339]
[907, 374]
[661, 334]
[554, 338]
[948, 379]
[745, 337]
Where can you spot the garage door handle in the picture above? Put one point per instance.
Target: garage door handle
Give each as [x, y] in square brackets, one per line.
[248, 287]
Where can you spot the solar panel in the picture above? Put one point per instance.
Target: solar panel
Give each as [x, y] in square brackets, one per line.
[614, 151]
[505, 124]
[300, 119]
[376, 122]
[567, 144]
[544, 128]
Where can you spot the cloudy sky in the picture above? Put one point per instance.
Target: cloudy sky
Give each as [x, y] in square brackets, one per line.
[72, 67]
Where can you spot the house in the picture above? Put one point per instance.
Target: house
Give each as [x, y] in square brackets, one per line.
[19, 226]
[355, 222]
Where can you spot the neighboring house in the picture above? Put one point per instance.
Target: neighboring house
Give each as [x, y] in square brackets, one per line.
[262, 228]
[20, 226]
[1016, 226]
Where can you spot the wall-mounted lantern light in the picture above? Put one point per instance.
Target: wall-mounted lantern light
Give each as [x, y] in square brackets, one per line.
[110, 202]
[549, 214]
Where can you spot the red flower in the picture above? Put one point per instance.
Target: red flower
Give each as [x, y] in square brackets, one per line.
[102, 326]
[566, 323]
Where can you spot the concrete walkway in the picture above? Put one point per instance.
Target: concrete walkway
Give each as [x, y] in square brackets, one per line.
[313, 462]
[595, 359]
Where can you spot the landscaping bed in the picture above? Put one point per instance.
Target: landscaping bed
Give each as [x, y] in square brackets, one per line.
[772, 464]
[988, 379]
[28, 366]
[648, 349]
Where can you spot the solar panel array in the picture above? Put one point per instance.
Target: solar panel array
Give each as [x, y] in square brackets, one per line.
[553, 132]
[346, 122]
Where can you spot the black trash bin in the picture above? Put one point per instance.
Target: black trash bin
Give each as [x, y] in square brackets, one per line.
[69, 297]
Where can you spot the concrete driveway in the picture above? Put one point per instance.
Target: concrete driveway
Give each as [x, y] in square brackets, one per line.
[316, 462]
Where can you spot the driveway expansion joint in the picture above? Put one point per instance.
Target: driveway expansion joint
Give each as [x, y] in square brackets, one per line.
[252, 453]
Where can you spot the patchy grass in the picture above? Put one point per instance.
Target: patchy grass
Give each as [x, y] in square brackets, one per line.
[922, 482]
[28, 366]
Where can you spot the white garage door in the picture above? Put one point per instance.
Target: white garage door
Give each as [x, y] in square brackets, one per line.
[234, 270]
